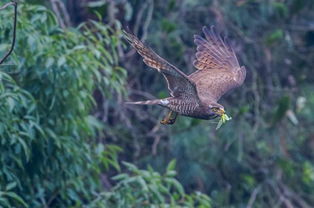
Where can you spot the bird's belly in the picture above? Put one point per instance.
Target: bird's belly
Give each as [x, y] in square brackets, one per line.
[189, 109]
[199, 114]
[204, 117]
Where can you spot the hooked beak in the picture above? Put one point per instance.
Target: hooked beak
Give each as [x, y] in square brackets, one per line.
[221, 111]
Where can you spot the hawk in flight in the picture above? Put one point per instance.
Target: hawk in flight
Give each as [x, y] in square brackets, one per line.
[195, 95]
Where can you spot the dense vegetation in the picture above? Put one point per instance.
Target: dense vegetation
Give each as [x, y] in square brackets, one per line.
[67, 139]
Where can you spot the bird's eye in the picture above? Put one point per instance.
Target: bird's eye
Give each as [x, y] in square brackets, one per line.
[214, 109]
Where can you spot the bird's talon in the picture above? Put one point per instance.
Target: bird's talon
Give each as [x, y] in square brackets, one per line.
[167, 122]
[171, 121]
[164, 121]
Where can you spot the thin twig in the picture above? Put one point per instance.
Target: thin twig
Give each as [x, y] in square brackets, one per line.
[14, 29]
[61, 13]
[7, 4]
[293, 195]
[148, 19]
[155, 144]
[253, 197]
[139, 16]
[111, 12]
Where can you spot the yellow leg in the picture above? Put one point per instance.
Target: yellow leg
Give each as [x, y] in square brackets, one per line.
[170, 118]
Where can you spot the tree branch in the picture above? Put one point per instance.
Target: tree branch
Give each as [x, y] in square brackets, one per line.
[61, 12]
[253, 197]
[14, 29]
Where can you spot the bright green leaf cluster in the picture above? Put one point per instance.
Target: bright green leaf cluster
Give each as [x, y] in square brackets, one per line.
[46, 96]
[147, 188]
[223, 119]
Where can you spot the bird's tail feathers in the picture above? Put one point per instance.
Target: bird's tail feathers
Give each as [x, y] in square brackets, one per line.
[147, 102]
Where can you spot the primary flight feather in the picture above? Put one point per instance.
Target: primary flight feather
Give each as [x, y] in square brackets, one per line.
[195, 95]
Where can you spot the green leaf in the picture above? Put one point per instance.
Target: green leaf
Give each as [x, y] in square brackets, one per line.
[120, 177]
[15, 197]
[61, 61]
[283, 107]
[223, 119]
[275, 36]
[50, 61]
[171, 165]
[11, 186]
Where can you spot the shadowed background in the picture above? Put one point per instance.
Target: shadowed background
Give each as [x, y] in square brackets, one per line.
[76, 70]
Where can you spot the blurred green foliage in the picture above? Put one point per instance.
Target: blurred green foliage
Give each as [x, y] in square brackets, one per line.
[146, 188]
[48, 151]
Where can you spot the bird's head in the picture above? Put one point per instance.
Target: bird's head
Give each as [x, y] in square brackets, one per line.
[216, 110]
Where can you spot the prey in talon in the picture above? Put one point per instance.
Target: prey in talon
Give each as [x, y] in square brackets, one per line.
[195, 95]
[170, 118]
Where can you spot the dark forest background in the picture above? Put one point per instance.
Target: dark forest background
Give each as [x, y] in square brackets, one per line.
[68, 140]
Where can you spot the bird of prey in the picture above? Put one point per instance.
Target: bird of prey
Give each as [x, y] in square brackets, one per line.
[195, 95]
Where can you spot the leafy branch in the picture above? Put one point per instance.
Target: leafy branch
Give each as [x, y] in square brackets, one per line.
[13, 3]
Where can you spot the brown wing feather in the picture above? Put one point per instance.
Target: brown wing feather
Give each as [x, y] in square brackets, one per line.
[219, 69]
[212, 84]
[179, 84]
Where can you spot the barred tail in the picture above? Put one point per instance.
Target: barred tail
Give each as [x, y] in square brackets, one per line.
[147, 102]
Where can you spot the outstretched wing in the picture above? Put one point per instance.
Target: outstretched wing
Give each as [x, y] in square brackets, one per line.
[179, 84]
[218, 68]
